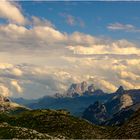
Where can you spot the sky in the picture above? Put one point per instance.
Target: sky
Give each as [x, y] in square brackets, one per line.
[46, 46]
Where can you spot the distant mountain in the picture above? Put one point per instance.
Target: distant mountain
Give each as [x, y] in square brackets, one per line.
[82, 96]
[122, 99]
[120, 90]
[116, 110]
[77, 89]
[80, 89]
[76, 105]
[122, 116]
[23, 101]
[96, 113]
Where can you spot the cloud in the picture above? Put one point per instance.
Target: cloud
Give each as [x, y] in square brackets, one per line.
[72, 20]
[48, 80]
[4, 90]
[10, 11]
[120, 47]
[127, 85]
[43, 60]
[5, 65]
[35, 21]
[107, 86]
[17, 72]
[124, 27]
[16, 85]
[129, 75]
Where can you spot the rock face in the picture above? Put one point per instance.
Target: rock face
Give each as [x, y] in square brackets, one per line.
[80, 89]
[91, 88]
[120, 90]
[96, 113]
[116, 110]
[120, 117]
[119, 102]
[8, 106]
[77, 89]
[4, 99]
[126, 101]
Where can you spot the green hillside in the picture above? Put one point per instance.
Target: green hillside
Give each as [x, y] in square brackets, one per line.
[131, 129]
[54, 123]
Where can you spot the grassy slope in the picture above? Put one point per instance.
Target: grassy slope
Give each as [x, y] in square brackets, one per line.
[57, 124]
[131, 129]
[7, 132]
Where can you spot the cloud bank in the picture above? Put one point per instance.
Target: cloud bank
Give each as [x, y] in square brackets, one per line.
[37, 59]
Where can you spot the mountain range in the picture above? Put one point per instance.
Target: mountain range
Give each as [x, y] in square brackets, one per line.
[80, 96]
[82, 114]
[116, 110]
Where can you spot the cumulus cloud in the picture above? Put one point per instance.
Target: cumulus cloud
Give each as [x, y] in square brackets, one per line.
[35, 21]
[16, 71]
[10, 11]
[43, 60]
[127, 84]
[107, 86]
[121, 47]
[5, 65]
[129, 75]
[48, 80]
[16, 85]
[4, 90]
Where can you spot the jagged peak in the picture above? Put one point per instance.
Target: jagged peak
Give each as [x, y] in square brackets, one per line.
[120, 90]
[4, 99]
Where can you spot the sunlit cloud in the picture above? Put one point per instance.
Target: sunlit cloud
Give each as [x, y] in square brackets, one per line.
[10, 11]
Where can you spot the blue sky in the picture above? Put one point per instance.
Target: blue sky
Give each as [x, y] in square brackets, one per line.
[46, 46]
[96, 16]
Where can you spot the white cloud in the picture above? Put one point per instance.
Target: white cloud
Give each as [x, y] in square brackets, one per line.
[129, 75]
[107, 86]
[43, 60]
[10, 11]
[5, 65]
[16, 85]
[4, 90]
[121, 47]
[124, 27]
[35, 21]
[127, 84]
[17, 72]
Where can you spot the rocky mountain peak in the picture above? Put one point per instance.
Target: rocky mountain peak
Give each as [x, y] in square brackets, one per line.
[91, 88]
[77, 89]
[126, 100]
[120, 90]
[96, 111]
[4, 99]
[84, 86]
